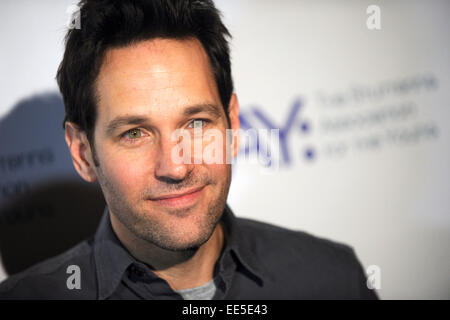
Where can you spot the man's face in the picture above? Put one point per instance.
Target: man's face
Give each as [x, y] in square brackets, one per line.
[146, 92]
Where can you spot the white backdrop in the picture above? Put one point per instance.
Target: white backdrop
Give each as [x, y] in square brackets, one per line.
[366, 144]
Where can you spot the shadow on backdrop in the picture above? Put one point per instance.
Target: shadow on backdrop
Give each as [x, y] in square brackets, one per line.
[45, 207]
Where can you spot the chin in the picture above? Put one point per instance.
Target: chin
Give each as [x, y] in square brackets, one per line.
[186, 245]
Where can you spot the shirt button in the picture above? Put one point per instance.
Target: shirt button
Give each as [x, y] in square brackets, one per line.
[139, 273]
[135, 273]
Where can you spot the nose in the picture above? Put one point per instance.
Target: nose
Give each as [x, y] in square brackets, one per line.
[167, 168]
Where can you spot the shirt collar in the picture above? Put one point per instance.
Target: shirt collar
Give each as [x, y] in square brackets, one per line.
[239, 244]
[112, 259]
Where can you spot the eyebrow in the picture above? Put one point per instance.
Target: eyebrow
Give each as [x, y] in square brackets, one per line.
[121, 121]
[211, 109]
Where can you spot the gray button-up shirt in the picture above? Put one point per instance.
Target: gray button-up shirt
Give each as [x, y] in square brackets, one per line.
[258, 261]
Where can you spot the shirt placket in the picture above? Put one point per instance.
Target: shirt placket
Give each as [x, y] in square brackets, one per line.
[148, 286]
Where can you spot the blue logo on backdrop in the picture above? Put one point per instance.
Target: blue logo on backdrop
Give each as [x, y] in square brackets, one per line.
[293, 125]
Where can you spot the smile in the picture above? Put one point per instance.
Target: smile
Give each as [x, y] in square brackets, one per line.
[180, 199]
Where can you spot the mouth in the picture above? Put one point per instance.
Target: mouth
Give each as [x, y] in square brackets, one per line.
[183, 199]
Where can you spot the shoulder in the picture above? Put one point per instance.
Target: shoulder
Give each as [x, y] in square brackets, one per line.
[324, 268]
[48, 279]
[285, 239]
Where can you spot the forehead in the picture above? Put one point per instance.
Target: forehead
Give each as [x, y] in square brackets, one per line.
[156, 78]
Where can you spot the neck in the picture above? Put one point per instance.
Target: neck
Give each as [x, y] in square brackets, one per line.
[181, 269]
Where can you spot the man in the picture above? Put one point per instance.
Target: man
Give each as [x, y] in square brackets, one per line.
[133, 75]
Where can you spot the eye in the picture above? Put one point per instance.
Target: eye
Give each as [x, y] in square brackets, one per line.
[133, 134]
[198, 123]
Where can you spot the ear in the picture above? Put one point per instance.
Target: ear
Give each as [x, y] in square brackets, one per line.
[233, 112]
[80, 150]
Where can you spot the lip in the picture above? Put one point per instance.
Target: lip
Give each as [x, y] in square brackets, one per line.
[180, 199]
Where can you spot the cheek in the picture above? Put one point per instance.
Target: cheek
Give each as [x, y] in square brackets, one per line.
[127, 173]
[219, 172]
